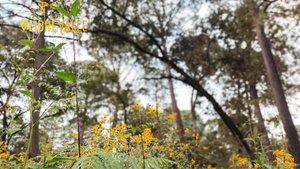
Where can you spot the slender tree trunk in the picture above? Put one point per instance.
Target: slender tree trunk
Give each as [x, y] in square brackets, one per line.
[179, 123]
[5, 125]
[278, 93]
[261, 125]
[175, 108]
[115, 115]
[193, 111]
[40, 42]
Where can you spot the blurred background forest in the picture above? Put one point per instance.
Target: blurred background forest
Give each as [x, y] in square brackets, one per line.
[218, 79]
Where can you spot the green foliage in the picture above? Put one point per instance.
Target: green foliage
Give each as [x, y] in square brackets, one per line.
[75, 9]
[104, 160]
[26, 42]
[66, 76]
[62, 11]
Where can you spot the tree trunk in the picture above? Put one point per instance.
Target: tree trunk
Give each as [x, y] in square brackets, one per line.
[179, 123]
[278, 93]
[193, 112]
[40, 42]
[115, 116]
[261, 125]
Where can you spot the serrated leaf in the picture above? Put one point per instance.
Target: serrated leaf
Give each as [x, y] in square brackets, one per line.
[27, 93]
[12, 131]
[26, 42]
[66, 76]
[75, 9]
[45, 49]
[56, 159]
[52, 44]
[62, 11]
[59, 46]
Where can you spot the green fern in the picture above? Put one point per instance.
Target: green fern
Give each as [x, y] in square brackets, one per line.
[105, 160]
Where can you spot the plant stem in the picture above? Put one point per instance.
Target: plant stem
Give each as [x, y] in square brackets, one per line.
[77, 106]
[29, 141]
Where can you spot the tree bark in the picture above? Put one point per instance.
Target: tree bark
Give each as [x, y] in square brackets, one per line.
[179, 123]
[261, 125]
[278, 93]
[175, 108]
[40, 42]
[193, 112]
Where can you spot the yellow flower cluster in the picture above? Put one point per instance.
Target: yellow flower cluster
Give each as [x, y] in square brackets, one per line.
[4, 156]
[284, 159]
[43, 6]
[196, 136]
[239, 161]
[171, 117]
[74, 135]
[152, 111]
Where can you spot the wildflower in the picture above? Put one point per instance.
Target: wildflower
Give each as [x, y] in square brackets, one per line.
[43, 5]
[204, 148]
[179, 155]
[75, 135]
[186, 130]
[193, 161]
[136, 105]
[241, 161]
[171, 116]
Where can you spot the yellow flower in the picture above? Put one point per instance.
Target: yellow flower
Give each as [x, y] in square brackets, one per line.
[193, 161]
[136, 105]
[179, 155]
[204, 148]
[75, 135]
[241, 161]
[171, 116]
[186, 130]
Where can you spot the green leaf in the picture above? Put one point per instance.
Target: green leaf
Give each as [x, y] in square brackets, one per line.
[34, 166]
[44, 49]
[136, 128]
[27, 93]
[267, 166]
[12, 131]
[262, 157]
[56, 159]
[75, 9]
[59, 46]
[52, 44]
[50, 119]
[26, 42]
[66, 76]
[14, 63]
[62, 11]
[276, 121]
